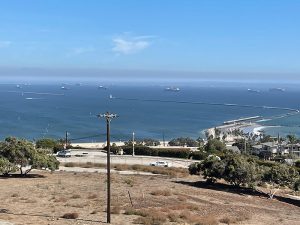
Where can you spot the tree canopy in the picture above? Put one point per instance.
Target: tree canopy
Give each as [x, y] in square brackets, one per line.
[20, 154]
[182, 141]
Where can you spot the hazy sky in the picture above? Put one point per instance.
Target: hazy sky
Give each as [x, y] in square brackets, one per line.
[188, 35]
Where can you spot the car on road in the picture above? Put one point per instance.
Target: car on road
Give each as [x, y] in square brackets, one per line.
[160, 163]
[64, 153]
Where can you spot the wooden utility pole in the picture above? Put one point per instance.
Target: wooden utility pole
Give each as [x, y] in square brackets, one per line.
[66, 140]
[108, 116]
[133, 153]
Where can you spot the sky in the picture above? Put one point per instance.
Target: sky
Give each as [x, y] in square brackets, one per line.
[197, 36]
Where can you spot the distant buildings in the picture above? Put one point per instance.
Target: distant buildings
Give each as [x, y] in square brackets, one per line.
[268, 150]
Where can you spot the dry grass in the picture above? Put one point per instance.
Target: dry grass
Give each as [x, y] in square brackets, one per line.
[184, 206]
[182, 198]
[70, 215]
[232, 220]
[208, 220]
[173, 217]
[170, 171]
[115, 209]
[76, 205]
[164, 192]
[84, 165]
[188, 216]
[152, 216]
[129, 181]
[179, 201]
[92, 196]
[75, 196]
[60, 199]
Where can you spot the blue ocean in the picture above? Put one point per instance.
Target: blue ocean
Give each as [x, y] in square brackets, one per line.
[149, 110]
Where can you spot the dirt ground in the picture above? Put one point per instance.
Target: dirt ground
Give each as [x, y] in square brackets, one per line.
[46, 197]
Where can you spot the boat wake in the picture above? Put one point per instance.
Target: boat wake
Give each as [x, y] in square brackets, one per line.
[35, 93]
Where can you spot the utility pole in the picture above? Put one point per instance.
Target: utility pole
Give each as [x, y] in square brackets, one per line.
[108, 116]
[133, 144]
[66, 140]
[278, 144]
[163, 138]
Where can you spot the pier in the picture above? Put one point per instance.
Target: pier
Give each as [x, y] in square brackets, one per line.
[246, 119]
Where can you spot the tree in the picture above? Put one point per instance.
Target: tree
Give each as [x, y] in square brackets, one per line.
[150, 142]
[240, 143]
[233, 168]
[241, 171]
[297, 163]
[46, 143]
[200, 142]
[212, 168]
[296, 185]
[7, 167]
[279, 175]
[217, 133]
[292, 138]
[214, 145]
[182, 141]
[22, 154]
[265, 138]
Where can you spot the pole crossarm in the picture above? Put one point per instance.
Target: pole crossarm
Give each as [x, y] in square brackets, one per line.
[108, 116]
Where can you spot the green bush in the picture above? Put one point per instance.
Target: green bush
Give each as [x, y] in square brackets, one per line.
[194, 168]
[182, 141]
[22, 154]
[214, 145]
[198, 155]
[47, 143]
[234, 168]
[296, 185]
[162, 152]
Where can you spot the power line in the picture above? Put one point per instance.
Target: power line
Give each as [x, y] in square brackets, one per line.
[207, 103]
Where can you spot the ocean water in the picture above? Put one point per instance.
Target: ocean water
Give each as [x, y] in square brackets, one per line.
[148, 110]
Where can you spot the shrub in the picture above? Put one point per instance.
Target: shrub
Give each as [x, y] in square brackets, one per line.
[164, 192]
[214, 145]
[70, 216]
[198, 155]
[280, 175]
[163, 152]
[233, 168]
[182, 141]
[46, 143]
[194, 168]
[296, 185]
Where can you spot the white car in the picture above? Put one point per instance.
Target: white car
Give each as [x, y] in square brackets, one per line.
[64, 153]
[160, 163]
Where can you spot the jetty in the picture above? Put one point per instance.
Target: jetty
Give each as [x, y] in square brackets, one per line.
[246, 119]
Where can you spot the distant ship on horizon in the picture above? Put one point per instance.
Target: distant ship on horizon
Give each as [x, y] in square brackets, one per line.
[102, 87]
[253, 90]
[172, 89]
[64, 88]
[277, 89]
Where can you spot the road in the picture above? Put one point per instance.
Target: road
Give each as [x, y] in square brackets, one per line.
[97, 156]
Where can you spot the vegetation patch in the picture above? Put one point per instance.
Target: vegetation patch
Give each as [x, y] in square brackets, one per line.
[164, 192]
[73, 215]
